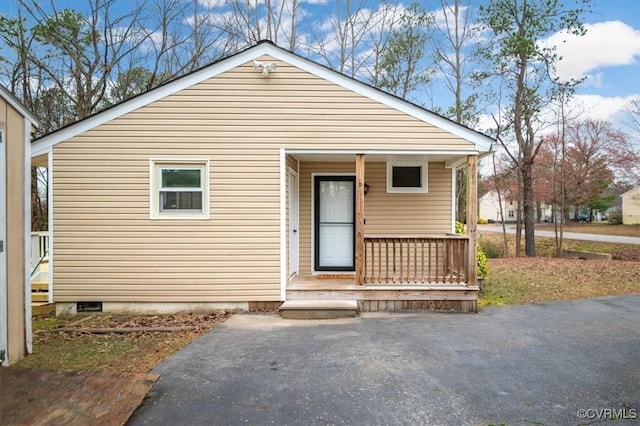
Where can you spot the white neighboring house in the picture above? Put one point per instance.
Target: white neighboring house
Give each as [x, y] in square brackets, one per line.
[631, 206]
[489, 207]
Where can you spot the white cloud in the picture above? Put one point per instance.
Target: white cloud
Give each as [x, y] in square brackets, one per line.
[580, 107]
[606, 44]
[210, 4]
[600, 107]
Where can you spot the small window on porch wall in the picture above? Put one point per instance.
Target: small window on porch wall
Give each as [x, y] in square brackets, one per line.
[179, 189]
[407, 177]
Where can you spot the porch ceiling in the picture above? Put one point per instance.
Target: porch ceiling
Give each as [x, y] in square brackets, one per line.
[40, 161]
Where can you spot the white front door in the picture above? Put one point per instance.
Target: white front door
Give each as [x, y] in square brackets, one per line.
[293, 223]
[334, 223]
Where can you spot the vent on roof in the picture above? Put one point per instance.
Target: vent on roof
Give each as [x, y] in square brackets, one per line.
[89, 307]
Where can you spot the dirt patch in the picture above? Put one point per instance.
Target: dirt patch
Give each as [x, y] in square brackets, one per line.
[36, 397]
[536, 280]
[135, 352]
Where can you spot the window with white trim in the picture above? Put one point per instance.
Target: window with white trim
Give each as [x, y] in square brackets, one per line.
[179, 189]
[407, 176]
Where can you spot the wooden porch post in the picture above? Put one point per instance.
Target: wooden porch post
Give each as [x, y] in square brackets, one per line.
[472, 217]
[359, 219]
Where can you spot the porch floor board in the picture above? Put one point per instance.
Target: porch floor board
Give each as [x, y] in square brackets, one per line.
[311, 288]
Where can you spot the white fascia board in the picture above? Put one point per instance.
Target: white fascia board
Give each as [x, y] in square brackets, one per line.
[482, 142]
[17, 105]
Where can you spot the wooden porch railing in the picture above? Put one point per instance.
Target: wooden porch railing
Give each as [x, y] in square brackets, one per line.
[416, 260]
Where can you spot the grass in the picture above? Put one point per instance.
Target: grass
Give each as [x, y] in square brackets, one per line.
[546, 278]
[492, 243]
[129, 353]
[537, 280]
[595, 228]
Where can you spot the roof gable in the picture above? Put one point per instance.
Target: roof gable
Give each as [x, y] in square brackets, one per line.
[18, 106]
[42, 145]
[631, 191]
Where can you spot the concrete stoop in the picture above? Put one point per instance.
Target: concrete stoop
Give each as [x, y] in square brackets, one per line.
[319, 309]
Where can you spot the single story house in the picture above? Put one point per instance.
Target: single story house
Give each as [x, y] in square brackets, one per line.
[16, 127]
[260, 179]
[631, 206]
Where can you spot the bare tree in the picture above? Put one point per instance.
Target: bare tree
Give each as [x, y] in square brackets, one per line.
[453, 58]
[400, 68]
[248, 21]
[352, 35]
[526, 67]
[76, 53]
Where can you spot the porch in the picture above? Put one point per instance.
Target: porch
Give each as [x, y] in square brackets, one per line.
[400, 274]
[353, 238]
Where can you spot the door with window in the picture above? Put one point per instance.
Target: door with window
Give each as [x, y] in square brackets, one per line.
[334, 223]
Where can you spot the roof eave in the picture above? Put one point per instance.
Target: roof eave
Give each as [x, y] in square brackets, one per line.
[482, 142]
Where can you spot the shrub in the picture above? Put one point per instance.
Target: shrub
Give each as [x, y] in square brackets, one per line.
[481, 258]
[491, 249]
[483, 265]
[615, 218]
[482, 221]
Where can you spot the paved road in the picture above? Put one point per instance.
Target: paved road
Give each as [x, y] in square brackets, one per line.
[518, 365]
[511, 229]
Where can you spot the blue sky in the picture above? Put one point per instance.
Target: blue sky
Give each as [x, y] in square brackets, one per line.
[608, 56]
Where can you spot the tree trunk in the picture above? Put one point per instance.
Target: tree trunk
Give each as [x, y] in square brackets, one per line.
[528, 207]
[518, 226]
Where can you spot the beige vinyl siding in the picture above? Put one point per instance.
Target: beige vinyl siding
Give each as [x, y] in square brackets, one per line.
[12, 122]
[108, 249]
[631, 207]
[385, 214]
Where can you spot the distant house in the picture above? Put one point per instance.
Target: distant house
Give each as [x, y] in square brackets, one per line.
[489, 207]
[631, 206]
[261, 179]
[16, 127]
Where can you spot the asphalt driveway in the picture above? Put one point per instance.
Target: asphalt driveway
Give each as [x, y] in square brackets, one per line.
[552, 364]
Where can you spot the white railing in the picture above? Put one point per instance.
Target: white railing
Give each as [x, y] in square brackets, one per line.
[39, 247]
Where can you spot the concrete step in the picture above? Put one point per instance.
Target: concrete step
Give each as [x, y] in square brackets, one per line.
[319, 309]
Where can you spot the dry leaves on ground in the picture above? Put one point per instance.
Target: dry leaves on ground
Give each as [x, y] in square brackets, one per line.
[135, 352]
[533, 280]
